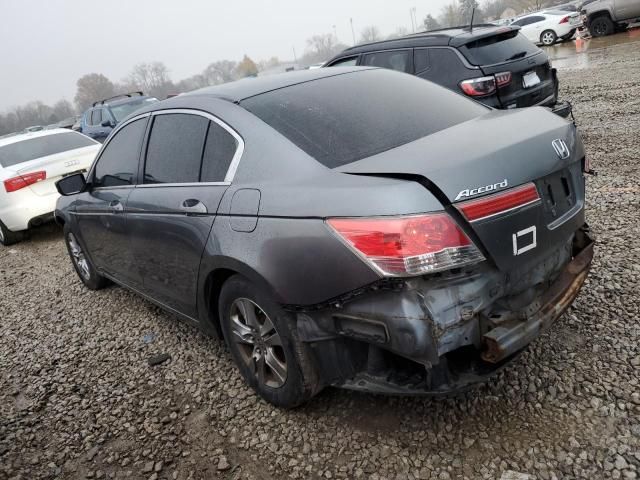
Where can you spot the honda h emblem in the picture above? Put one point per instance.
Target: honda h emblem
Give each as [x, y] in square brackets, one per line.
[561, 148]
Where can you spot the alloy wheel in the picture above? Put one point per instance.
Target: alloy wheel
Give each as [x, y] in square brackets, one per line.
[259, 342]
[548, 38]
[1, 235]
[78, 257]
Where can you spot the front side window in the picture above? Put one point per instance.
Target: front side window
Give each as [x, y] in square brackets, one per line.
[96, 116]
[394, 60]
[118, 163]
[174, 153]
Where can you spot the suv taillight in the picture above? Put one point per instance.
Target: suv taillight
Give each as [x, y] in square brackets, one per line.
[408, 245]
[17, 183]
[503, 79]
[479, 87]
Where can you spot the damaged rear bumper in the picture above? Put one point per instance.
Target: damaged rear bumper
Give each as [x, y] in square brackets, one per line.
[442, 333]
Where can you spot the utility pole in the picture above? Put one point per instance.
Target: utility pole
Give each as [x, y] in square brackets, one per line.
[335, 33]
[295, 59]
[414, 21]
[353, 32]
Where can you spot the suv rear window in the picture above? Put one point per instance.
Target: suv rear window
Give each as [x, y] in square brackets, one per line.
[338, 120]
[32, 148]
[498, 49]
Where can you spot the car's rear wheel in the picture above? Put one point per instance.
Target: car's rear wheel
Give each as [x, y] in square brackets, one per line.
[82, 263]
[264, 344]
[7, 237]
[601, 26]
[548, 37]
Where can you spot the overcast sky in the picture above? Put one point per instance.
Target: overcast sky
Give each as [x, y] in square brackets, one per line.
[46, 45]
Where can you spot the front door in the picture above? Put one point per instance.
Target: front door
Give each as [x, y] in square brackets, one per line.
[101, 210]
[171, 213]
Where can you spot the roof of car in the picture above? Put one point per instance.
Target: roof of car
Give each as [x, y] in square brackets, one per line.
[19, 137]
[252, 86]
[455, 36]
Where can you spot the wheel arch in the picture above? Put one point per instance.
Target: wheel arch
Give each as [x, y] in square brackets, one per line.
[212, 278]
[599, 13]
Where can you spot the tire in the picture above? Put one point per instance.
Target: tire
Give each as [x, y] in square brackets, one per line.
[263, 341]
[601, 26]
[7, 237]
[548, 38]
[81, 263]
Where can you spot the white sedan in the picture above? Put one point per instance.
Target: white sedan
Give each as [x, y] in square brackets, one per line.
[549, 26]
[30, 164]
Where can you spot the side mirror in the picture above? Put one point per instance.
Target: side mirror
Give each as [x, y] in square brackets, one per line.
[71, 184]
[106, 123]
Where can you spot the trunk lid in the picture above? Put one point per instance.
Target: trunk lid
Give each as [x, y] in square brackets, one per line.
[56, 166]
[513, 148]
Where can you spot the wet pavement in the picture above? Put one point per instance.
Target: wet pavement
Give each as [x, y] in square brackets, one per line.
[583, 53]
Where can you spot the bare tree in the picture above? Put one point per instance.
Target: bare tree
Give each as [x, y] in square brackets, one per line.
[370, 34]
[62, 109]
[321, 48]
[450, 15]
[91, 88]
[222, 71]
[430, 23]
[399, 33]
[152, 78]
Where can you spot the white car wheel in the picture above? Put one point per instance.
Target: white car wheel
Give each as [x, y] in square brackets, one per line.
[548, 37]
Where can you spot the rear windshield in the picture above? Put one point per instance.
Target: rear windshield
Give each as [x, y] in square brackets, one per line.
[32, 148]
[338, 120]
[123, 110]
[501, 48]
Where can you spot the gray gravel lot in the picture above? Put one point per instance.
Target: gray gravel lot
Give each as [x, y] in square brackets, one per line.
[79, 400]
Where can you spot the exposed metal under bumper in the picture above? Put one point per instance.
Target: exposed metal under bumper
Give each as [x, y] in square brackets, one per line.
[505, 340]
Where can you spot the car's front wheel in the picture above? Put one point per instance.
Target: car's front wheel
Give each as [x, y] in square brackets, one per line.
[7, 237]
[264, 344]
[82, 263]
[548, 37]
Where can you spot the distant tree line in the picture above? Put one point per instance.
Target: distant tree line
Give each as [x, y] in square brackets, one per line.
[154, 79]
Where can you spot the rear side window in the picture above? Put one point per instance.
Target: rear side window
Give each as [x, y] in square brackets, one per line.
[338, 120]
[498, 49]
[32, 148]
[118, 163]
[345, 62]
[219, 150]
[174, 153]
[399, 60]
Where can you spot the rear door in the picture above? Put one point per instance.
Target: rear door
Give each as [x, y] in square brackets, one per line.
[171, 214]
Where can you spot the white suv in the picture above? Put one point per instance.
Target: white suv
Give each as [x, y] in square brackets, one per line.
[30, 164]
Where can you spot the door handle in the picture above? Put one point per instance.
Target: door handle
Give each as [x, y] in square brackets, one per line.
[194, 206]
[116, 206]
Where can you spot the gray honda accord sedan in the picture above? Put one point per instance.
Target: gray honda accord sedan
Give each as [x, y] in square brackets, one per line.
[350, 227]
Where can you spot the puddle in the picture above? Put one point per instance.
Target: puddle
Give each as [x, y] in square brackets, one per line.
[575, 53]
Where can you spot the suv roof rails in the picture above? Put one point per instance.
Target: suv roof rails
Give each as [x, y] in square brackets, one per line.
[130, 94]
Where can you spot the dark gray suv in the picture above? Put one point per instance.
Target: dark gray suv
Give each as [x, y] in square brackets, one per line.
[353, 227]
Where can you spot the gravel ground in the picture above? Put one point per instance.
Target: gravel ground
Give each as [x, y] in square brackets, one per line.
[79, 400]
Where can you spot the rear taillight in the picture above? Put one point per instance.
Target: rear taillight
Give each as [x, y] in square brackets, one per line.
[16, 183]
[499, 203]
[479, 87]
[410, 245]
[564, 20]
[503, 79]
